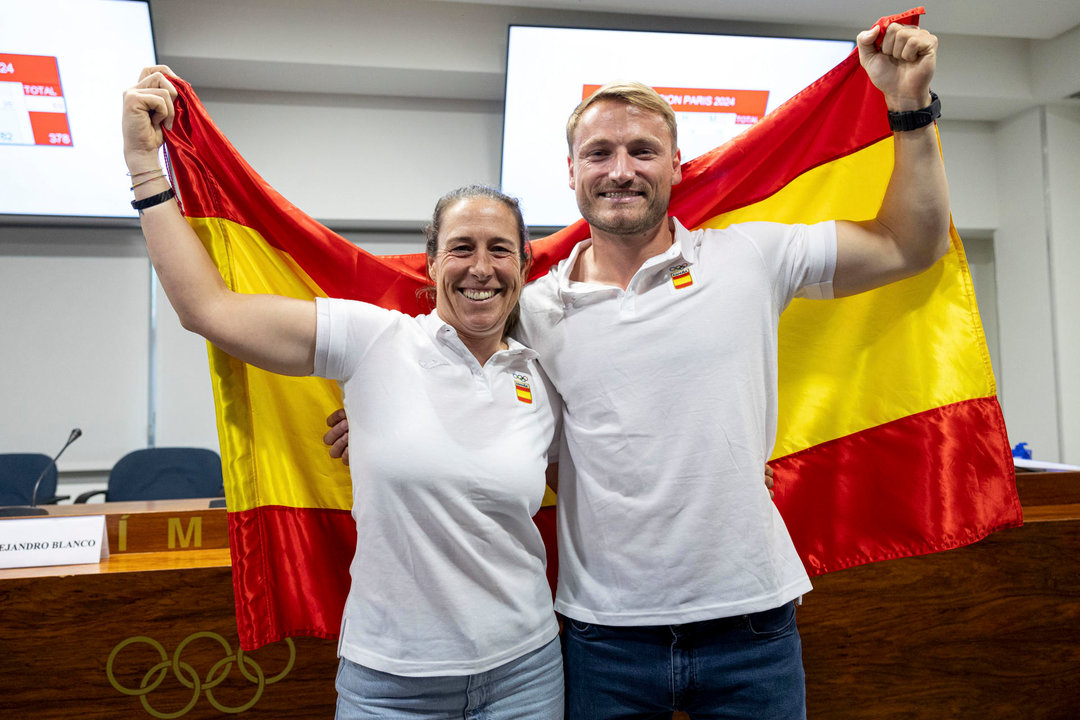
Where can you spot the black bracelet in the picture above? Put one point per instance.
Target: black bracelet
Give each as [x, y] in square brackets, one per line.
[915, 119]
[153, 200]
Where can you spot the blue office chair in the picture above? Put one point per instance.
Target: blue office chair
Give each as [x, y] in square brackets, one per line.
[163, 474]
[19, 472]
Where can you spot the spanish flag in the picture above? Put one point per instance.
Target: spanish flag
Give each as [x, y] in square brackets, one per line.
[891, 440]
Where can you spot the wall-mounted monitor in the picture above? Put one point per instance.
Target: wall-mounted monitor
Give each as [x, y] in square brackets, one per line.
[718, 85]
[63, 67]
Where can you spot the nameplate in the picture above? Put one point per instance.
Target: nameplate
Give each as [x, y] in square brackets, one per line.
[35, 542]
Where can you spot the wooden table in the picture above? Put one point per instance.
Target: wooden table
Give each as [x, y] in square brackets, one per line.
[149, 634]
[988, 631]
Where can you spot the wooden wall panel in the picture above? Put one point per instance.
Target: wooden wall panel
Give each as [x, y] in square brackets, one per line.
[987, 631]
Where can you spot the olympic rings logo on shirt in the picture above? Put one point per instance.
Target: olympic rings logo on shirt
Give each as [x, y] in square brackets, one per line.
[189, 678]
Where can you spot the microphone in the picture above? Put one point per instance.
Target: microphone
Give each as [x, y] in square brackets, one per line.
[34, 509]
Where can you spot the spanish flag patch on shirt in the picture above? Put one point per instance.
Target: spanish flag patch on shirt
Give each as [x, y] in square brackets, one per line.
[680, 276]
[521, 385]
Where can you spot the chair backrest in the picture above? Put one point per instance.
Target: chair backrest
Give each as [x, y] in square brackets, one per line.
[166, 474]
[19, 472]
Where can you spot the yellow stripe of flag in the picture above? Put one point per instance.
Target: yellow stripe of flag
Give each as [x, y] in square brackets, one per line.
[854, 378]
[267, 423]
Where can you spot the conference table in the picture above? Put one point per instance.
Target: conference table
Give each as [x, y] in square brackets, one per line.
[149, 632]
[991, 630]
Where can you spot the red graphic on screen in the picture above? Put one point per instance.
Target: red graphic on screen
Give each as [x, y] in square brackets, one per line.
[32, 106]
[748, 106]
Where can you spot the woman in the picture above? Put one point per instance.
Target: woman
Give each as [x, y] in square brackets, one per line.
[449, 613]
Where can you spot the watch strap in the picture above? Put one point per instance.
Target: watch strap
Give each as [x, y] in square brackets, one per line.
[915, 119]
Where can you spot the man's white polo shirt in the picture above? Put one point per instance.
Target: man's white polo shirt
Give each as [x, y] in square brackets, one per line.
[669, 393]
[448, 460]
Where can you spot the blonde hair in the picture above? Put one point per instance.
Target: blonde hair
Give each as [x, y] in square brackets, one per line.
[631, 93]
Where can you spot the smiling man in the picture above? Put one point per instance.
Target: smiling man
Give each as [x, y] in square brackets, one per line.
[677, 576]
[624, 160]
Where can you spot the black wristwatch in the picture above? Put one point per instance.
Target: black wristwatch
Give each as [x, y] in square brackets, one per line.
[915, 119]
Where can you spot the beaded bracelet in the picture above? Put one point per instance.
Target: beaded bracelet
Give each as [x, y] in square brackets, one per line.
[149, 179]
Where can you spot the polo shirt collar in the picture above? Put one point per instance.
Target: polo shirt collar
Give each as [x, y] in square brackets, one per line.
[683, 249]
[442, 333]
[688, 243]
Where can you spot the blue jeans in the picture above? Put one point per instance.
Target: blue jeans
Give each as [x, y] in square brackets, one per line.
[528, 688]
[743, 667]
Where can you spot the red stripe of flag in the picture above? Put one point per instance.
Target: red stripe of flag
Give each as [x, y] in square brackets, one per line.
[866, 478]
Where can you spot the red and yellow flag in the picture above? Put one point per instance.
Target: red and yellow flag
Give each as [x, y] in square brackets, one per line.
[891, 442]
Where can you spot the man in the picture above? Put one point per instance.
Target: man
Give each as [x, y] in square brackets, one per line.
[676, 574]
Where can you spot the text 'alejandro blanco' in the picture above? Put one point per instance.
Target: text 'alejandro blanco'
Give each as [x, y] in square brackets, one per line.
[54, 545]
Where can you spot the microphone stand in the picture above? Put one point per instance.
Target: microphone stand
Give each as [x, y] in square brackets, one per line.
[34, 510]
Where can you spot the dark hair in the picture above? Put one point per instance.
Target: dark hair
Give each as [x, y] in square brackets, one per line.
[432, 229]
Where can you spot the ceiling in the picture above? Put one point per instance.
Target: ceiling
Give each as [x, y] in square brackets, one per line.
[1004, 56]
[1043, 19]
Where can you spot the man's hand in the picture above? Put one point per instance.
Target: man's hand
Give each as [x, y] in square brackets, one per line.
[337, 437]
[911, 229]
[903, 68]
[769, 481]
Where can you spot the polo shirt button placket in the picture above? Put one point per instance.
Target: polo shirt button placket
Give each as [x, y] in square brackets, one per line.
[481, 379]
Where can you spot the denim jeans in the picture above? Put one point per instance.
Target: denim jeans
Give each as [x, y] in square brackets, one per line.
[528, 688]
[747, 667]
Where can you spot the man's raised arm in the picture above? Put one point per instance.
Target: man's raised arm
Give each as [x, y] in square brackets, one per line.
[911, 230]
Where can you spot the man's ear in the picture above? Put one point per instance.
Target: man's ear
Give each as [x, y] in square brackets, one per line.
[676, 176]
[570, 165]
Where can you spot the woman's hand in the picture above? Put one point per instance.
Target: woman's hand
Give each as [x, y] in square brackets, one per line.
[148, 112]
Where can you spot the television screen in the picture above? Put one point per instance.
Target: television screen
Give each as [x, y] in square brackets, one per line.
[63, 67]
[718, 85]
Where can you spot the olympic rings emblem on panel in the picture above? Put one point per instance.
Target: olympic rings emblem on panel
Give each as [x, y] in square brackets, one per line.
[190, 678]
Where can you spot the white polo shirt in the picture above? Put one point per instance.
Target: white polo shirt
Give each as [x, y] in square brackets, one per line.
[669, 393]
[448, 462]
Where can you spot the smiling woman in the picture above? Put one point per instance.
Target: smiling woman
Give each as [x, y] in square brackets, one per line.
[449, 607]
[478, 258]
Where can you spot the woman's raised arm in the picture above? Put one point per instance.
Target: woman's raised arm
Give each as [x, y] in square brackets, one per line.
[272, 332]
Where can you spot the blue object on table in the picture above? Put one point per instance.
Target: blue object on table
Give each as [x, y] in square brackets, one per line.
[1021, 451]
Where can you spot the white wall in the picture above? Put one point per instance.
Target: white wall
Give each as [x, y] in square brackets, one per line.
[375, 159]
[1027, 384]
[74, 347]
[1063, 200]
[1037, 253]
[968, 148]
